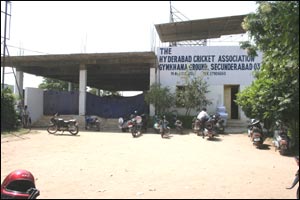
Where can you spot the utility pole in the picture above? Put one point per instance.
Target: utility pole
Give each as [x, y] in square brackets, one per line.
[172, 20]
[4, 44]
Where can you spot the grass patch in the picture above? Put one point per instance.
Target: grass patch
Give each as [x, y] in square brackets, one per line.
[21, 131]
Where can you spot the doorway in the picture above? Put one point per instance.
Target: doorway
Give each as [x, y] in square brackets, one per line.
[232, 108]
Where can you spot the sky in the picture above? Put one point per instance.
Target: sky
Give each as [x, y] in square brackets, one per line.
[65, 27]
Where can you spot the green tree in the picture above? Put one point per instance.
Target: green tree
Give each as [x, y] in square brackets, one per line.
[104, 92]
[54, 84]
[274, 30]
[193, 94]
[160, 97]
[8, 113]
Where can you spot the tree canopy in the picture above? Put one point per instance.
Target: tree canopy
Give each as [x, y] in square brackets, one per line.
[193, 93]
[54, 84]
[274, 94]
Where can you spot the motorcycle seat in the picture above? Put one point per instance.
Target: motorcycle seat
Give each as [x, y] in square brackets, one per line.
[70, 120]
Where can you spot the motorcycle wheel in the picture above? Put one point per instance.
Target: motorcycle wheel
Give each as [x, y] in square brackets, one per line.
[165, 132]
[135, 132]
[179, 130]
[74, 132]
[52, 129]
[282, 151]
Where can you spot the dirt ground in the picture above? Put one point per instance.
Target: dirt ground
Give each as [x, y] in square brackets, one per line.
[116, 165]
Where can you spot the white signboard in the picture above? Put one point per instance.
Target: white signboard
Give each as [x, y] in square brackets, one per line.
[218, 65]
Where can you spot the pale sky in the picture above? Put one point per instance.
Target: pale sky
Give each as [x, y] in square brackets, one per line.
[56, 27]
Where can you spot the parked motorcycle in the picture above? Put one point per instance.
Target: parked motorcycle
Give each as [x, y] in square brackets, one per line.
[145, 124]
[197, 126]
[59, 124]
[161, 126]
[19, 184]
[92, 122]
[218, 124]
[178, 124]
[281, 140]
[255, 132]
[296, 180]
[209, 128]
[136, 126]
[124, 124]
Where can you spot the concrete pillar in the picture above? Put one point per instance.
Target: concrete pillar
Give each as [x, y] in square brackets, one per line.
[19, 83]
[82, 89]
[152, 80]
[69, 86]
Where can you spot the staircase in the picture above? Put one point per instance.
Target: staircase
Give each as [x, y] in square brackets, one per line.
[236, 126]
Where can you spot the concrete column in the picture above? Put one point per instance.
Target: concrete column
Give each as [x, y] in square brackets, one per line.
[19, 83]
[152, 80]
[82, 89]
[69, 86]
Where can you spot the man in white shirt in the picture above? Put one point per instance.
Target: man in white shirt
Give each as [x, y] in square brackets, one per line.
[203, 117]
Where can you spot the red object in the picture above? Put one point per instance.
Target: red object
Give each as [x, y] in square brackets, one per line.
[16, 184]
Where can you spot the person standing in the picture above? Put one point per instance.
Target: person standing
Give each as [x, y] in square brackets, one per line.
[25, 117]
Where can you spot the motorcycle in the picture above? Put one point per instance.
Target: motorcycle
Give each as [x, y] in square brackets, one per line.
[136, 126]
[255, 132]
[196, 125]
[218, 124]
[59, 124]
[161, 126]
[178, 124]
[209, 129]
[124, 124]
[92, 122]
[145, 124]
[296, 180]
[281, 140]
[199, 126]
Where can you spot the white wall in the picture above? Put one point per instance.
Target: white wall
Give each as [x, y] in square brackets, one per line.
[218, 65]
[34, 99]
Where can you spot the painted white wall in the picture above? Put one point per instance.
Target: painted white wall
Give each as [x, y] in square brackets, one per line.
[208, 62]
[34, 99]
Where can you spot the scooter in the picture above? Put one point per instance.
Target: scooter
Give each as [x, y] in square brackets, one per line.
[256, 133]
[92, 122]
[59, 124]
[296, 180]
[281, 140]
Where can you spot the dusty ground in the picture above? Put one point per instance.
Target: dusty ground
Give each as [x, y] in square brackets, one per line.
[115, 165]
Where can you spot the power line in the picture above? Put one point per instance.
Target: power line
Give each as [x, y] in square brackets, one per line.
[21, 48]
